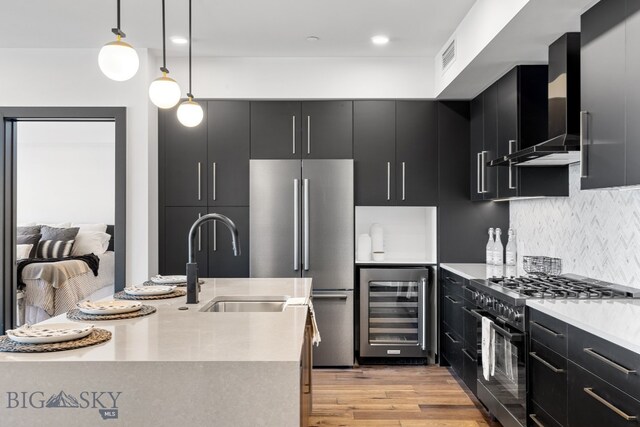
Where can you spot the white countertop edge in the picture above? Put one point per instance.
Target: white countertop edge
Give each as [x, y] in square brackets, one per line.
[468, 271]
[397, 262]
[547, 309]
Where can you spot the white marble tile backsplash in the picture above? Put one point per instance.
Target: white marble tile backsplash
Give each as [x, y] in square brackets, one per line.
[595, 232]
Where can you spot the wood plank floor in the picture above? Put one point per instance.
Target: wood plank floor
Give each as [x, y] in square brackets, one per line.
[401, 396]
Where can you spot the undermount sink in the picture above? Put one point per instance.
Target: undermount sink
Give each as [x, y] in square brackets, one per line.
[246, 304]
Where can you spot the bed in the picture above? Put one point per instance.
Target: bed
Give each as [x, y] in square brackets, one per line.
[48, 293]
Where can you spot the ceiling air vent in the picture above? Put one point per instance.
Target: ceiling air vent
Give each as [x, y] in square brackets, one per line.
[449, 55]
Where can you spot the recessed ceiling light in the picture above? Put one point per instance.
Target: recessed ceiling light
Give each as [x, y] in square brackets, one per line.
[380, 40]
[179, 40]
[313, 39]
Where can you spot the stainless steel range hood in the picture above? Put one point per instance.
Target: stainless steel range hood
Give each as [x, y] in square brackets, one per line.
[563, 146]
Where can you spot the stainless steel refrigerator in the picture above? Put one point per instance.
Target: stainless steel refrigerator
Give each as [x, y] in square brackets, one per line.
[302, 225]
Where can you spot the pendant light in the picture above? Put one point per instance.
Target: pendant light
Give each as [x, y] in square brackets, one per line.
[118, 60]
[190, 113]
[164, 91]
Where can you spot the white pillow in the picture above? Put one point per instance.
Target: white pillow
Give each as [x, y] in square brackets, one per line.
[61, 225]
[23, 251]
[90, 242]
[91, 227]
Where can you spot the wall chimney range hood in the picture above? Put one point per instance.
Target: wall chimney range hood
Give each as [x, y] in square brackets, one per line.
[563, 146]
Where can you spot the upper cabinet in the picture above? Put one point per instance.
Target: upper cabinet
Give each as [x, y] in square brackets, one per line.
[610, 95]
[396, 153]
[511, 115]
[302, 130]
[183, 160]
[228, 153]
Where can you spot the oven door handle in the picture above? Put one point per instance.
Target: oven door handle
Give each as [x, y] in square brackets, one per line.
[511, 336]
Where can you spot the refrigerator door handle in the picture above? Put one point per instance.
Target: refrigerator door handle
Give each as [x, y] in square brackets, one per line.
[305, 235]
[296, 224]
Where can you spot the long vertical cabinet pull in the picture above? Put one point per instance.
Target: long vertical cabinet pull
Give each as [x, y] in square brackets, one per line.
[478, 164]
[512, 143]
[308, 134]
[483, 166]
[584, 173]
[296, 224]
[306, 223]
[215, 236]
[293, 133]
[388, 180]
[214, 181]
[423, 281]
[403, 181]
[199, 181]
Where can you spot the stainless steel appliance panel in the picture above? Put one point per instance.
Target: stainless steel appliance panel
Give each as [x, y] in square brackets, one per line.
[275, 218]
[334, 313]
[328, 223]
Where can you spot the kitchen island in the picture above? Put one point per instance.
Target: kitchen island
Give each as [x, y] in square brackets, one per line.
[174, 367]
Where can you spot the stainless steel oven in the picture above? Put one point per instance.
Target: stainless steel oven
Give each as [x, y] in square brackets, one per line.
[395, 312]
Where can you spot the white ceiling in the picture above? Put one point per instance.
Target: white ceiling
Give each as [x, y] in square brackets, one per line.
[240, 27]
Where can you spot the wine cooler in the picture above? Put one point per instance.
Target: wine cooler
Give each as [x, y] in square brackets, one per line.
[394, 318]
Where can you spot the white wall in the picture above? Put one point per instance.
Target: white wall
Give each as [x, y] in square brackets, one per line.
[66, 172]
[595, 232]
[308, 78]
[70, 77]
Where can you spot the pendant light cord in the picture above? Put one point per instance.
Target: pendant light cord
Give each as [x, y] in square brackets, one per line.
[189, 94]
[164, 44]
[117, 31]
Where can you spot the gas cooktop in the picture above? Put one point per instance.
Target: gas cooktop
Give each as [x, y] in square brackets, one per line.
[563, 287]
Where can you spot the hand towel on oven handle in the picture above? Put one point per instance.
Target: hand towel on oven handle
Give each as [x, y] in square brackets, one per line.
[488, 348]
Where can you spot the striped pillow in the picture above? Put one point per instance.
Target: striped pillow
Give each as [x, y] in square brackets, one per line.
[54, 248]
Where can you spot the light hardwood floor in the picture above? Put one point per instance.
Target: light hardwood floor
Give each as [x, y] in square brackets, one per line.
[405, 396]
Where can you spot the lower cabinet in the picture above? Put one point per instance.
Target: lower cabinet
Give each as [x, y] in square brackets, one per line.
[306, 367]
[593, 384]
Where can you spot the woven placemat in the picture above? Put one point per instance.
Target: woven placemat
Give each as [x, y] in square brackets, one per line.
[176, 293]
[76, 314]
[98, 336]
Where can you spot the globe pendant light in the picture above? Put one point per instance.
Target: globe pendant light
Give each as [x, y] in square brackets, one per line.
[118, 60]
[164, 91]
[190, 112]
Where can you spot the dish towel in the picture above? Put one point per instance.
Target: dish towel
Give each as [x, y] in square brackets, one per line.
[314, 324]
[488, 348]
[508, 360]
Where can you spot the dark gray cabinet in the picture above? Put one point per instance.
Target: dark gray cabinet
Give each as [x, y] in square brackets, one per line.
[632, 89]
[484, 137]
[275, 130]
[183, 162]
[476, 130]
[508, 135]
[416, 153]
[302, 130]
[327, 130]
[374, 150]
[176, 225]
[396, 153]
[222, 262]
[605, 86]
[228, 124]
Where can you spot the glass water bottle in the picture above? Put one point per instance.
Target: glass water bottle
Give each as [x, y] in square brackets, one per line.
[510, 254]
[490, 245]
[498, 249]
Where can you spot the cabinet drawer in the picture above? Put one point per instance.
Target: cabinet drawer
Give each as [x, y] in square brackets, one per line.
[548, 381]
[470, 327]
[470, 368]
[538, 417]
[549, 331]
[612, 363]
[452, 349]
[453, 284]
[593, 402]
[452, 311]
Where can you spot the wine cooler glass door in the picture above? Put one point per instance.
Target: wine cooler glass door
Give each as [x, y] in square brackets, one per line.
[394, 312]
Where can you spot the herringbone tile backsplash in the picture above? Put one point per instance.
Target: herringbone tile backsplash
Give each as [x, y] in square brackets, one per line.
[596, 233]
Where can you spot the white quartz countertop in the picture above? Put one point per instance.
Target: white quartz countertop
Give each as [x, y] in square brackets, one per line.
[190, 335]
[477, 271]
[617, 321]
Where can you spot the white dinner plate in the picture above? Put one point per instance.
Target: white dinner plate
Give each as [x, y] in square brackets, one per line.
[168, 280]
[149, 290]
[109, 307]
[49, 333]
